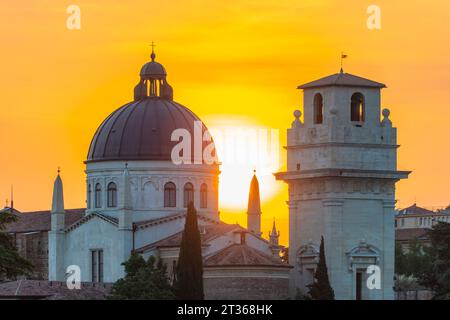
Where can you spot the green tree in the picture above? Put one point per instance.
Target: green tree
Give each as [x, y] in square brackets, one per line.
[189, 285]
[321, 288]
[415, 261]
[12, 264]
[400, 260]
[437, 277]
[143, 281]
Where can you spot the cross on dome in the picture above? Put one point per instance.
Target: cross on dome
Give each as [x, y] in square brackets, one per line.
[153, 55]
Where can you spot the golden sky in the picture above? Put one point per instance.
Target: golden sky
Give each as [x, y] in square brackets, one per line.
[239, 60]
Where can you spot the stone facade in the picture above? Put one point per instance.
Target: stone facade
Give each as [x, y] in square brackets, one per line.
[414, 217]
[245, 283]
[30, 235]
[341, 173]
[147, 180]
[33, 246]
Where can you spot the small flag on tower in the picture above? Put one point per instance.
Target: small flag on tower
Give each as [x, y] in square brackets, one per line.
[343, 56]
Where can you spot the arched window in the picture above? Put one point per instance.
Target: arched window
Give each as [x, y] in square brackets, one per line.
[112, 195]
[318, 109]
[170, 195]
[203, 196]
[89, 197]
[357, 107]
[98, 195]
[188, 195]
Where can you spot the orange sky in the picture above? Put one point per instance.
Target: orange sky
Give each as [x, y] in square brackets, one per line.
[225, 59]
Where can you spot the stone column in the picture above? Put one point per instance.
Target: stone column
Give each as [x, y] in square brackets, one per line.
[334, 247]
[388, 251]
[294, 245]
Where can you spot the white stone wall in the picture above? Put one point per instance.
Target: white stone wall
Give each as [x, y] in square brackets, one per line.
[147, 180]
[341, 176]
[419, 221]
[94, 234]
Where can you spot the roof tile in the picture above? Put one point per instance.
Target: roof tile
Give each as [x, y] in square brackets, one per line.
[342, 80]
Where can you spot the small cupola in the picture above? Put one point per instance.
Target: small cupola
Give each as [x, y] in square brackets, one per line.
[153, 81]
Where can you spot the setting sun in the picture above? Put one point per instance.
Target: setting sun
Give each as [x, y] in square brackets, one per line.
[244, 148]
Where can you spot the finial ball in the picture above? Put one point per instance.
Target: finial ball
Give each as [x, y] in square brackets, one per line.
[386, 113]
[297, 114]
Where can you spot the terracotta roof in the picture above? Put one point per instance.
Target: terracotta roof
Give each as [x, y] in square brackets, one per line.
[242, 255]
[40, 220]
[207, 233]
[414, 209]
[52, 290]
[409, 234]
[8, 209]
[342, 80]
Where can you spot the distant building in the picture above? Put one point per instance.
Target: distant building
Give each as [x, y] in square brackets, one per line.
[30, 233]
[413, 222]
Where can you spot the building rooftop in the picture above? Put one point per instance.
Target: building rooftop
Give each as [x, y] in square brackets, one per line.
[342, 80]
[52, 290]
[207, 233]
[242, 255]
[415, 210]
[411, 233]
[40, 220]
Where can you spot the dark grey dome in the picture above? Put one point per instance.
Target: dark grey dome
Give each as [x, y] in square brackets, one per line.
[141, 130]
[153, 69]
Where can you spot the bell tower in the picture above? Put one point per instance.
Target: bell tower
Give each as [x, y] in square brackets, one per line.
[341, 173]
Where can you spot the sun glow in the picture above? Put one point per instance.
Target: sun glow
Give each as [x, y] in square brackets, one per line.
[244, 148]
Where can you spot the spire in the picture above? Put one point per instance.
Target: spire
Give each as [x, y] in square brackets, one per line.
[254, 203]
[125, 214]
[274, 228]
[126, 188]
[254, 207]
[274, 235]
[58, 197]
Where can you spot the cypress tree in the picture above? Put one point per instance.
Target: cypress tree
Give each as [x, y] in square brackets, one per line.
[189, 285]
[321, 288]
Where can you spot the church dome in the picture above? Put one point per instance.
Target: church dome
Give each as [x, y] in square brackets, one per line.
[154, 69]
[142, 129]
